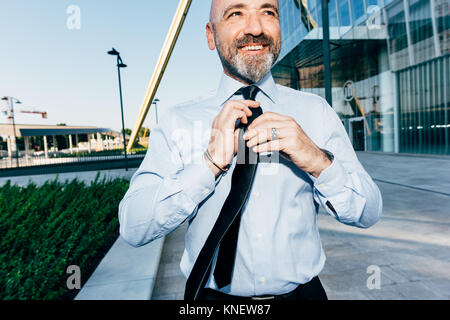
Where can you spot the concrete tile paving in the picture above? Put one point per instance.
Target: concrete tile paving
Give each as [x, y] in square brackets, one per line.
[410, 244]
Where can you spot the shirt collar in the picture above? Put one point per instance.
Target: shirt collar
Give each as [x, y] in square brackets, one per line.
[228, 87]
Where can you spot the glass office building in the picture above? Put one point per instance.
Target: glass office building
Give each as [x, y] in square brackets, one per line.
[389, 68]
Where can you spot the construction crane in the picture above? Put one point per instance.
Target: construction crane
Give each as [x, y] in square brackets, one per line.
[9, 112]
[42, 113]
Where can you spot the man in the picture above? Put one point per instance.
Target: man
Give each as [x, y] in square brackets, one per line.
[252, 231]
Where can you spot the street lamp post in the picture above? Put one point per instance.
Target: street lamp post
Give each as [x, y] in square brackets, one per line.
[326, 52]
[11, 103]
[120, 65]
[155, 102]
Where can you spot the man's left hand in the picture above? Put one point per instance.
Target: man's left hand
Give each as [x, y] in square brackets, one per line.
[292, 142]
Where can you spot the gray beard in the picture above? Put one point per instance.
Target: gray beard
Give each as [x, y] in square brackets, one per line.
[249, 69]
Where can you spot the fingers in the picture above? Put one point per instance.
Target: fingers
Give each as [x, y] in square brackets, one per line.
[267, 117]
[264, 128]
[236, 140]
[275, 145]
[260, 130]
[266, 135]
[251, 103]
[229, 118]
[241, 115]
[243, 105]
[238, 109]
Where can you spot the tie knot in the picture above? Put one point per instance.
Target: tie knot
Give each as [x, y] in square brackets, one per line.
[249, 92]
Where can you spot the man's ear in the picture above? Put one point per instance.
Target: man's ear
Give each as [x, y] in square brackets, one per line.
[210, 36]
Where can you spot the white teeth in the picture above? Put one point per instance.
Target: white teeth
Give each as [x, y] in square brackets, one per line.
[249, 48]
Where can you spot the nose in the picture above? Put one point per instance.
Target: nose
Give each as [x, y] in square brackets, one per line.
[253, 25]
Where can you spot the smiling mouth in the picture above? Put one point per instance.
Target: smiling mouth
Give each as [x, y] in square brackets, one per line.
[253, 47]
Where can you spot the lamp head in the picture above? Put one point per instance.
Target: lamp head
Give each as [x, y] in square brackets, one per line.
[113, 52]
[120, 63]
[12, 98]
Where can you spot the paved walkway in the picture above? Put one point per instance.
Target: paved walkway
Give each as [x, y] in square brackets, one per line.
[410, 244]
[86, 176]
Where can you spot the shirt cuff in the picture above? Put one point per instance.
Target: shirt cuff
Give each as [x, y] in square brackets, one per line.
[197, 181]
[331, 181]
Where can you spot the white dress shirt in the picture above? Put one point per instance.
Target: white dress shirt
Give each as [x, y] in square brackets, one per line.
[279, 245]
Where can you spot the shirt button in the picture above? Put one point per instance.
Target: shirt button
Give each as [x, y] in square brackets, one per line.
[256, 194]
[262, 280]
[259, 236]
[321, 185]
[206, 192]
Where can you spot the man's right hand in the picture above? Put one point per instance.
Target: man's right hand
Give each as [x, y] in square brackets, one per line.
[223, 144]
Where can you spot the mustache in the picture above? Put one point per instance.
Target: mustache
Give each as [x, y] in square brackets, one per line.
[248, 38]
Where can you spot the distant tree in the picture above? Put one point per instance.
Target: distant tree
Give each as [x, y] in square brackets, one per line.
[62, 142]
[144, 132]
[61, 124]
[127, 131]
[20, 141]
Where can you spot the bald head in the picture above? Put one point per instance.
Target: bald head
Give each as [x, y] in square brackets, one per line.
[218, 8]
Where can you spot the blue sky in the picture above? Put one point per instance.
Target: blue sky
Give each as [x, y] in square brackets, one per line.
[68, 73]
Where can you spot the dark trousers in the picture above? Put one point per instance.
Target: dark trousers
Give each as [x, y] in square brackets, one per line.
[312, 290]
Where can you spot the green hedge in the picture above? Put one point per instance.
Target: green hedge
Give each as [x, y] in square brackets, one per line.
[45, 229]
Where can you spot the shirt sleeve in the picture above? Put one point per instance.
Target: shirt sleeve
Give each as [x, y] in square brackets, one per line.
[164, 191]
[345, 190]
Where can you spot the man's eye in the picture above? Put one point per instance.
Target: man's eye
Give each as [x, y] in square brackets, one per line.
[235, 14]
[270, 13]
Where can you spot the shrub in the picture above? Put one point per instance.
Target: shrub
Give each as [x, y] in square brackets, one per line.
[45, 229]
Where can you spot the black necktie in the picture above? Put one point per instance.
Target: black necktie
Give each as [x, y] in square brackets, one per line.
[226, 229]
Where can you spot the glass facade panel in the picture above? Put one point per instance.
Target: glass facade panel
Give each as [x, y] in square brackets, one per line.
[357, 9]
[421, 30]
[424, 124]
[397, 36]
[295, 21]
[389, 83]
[373, 3]
[442, 14]
[344, 13]
[332, 13]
